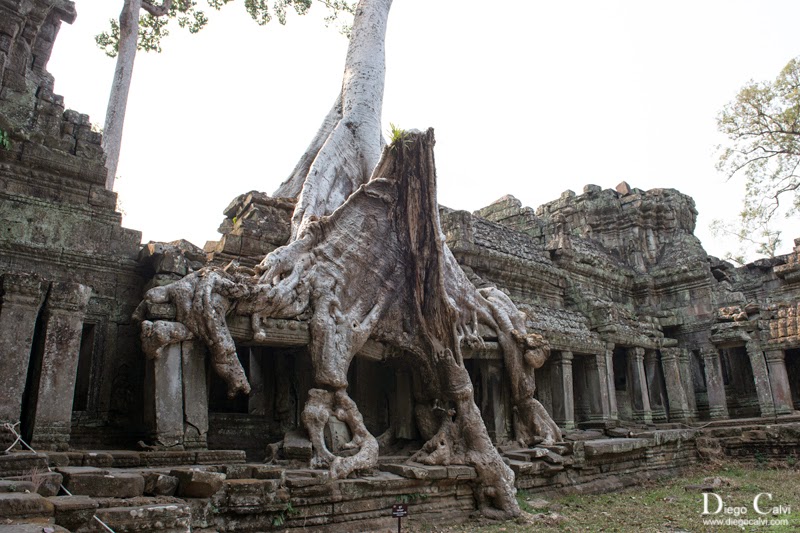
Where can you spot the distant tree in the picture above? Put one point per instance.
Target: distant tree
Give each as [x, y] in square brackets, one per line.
[762, 125]
[132, 33]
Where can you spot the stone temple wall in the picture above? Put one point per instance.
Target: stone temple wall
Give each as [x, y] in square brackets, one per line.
[644, 327]
[70, 358]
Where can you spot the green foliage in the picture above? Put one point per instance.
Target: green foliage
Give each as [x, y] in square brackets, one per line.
[5, 140]
[189, 17]
[397, 136]
[762, 125]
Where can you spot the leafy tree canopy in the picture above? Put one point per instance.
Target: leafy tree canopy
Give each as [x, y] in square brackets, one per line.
[153, 26]
[762, 125]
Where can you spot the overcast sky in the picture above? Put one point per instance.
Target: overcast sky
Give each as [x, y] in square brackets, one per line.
[527, 98]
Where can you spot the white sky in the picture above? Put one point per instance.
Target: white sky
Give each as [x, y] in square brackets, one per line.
[528, 98]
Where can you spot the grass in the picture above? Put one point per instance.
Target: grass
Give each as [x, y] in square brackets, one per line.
[665, 506]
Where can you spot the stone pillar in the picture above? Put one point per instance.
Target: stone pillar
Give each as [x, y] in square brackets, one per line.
[761, 377]
[676, 393]
[404, 425]
[493, 404]
[563, 401]
[164, 397]
[779, 381]
[687, 381]
[51, 415]
[612, 391]
[654, 387]
[257, 399]
[195, 393]
[22, 297]
[640, 396]
[597, 380]
[715, 386]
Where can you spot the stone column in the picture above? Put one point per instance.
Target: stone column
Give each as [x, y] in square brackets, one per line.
[638, 387]
[195, 393]
[612, 391]
[779, 381]
[598, 389]
[51, 416]
[404, 420]
[493, 405]
[22, 297]
[761, 377]
[678, 404]
[163, 388]
[715, 387]
[563, 401]
[687, 381]
[654, 387]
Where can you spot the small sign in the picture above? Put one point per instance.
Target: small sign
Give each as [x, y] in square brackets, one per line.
[399, 510]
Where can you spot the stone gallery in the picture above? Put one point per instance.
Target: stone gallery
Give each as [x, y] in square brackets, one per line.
[326, 359]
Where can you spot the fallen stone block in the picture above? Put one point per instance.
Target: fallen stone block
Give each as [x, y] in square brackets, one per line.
[157, 484]
[197, 483]
[43, 483]
[238, 471]
[73, 512]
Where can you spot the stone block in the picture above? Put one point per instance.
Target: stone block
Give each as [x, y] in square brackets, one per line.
[168, 458]
[250, 495]
[97, 459]
[9, 485]
[73, 512]
[194, 483]
[20, 464]
[461, 472]
[32, 528]
[55, 459]
[238, 471]
[166, 518]
[16, 505]
[296, 445]
[125, 459]
[157, 484]
[415, 470]
[105, 485]
[599, 447]
[211, 457]
[268, 472]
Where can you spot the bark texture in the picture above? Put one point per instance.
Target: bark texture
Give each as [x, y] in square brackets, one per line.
[348, 145]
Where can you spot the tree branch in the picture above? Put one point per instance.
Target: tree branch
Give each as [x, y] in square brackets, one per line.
[157, 11]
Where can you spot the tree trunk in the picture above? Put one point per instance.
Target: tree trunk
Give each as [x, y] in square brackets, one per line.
[347, 147]
[120, 87]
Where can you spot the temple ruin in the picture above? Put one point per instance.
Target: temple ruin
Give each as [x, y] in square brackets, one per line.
[648, 354]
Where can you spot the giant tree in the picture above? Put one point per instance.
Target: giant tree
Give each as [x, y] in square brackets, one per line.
[367, 259]
[132, 33]
[762, 125]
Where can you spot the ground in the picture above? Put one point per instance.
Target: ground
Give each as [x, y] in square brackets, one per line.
[671, 505]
